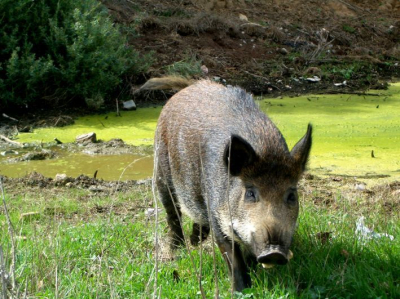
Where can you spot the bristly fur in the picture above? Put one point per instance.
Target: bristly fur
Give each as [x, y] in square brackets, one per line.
[222, 162]
[166, 83]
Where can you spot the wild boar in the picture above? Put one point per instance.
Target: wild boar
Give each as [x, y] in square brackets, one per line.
[222, 162]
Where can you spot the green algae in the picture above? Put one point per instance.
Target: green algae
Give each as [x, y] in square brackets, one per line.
[347, 128]
[134, 127]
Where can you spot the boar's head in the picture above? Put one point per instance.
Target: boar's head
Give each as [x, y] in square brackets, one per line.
[263, 197]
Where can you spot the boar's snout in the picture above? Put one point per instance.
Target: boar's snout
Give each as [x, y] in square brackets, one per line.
[273, 256]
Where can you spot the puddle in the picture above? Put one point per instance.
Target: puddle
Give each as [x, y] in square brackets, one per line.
[109, 167]
[347, 128]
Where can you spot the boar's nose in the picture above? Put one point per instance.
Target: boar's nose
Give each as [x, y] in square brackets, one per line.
[272, 257]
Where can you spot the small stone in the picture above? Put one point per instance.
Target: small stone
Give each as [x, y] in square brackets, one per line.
[360, 187]
[204, 69]
[86, 138]
[242, 17]
[313, 79]
[283, 51]
[129, 105]
[60, 177]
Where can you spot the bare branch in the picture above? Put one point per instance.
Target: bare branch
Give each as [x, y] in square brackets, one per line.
[4, 283]
[11, 141]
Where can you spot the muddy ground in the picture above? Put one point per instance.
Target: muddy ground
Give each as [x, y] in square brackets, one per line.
[325, 192]
[269, 47]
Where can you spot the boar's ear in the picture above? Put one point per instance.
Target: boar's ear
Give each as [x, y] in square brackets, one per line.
[301, 150]
[238, 155]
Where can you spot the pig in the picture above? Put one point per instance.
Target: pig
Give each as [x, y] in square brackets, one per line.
[222, 162]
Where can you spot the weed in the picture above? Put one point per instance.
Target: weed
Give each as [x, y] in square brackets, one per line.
[349, 29]
[103, 246]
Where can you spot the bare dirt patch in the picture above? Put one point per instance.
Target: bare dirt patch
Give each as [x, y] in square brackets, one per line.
[267, 46]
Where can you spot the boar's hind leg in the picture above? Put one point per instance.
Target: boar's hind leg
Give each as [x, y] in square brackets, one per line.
[174, 215]
[195, 237]
[234, 258]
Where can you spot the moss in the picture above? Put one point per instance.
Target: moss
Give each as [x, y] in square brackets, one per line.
[134, 127]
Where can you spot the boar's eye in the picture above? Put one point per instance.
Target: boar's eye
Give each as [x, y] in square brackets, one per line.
[250, 195]
[291, 198]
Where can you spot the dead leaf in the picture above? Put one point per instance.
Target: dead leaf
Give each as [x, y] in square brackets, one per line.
[345, 253]
[323, 236]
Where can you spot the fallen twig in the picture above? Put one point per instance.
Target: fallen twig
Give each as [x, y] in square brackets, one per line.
[10, 141]
[9, 117]
[353, 7]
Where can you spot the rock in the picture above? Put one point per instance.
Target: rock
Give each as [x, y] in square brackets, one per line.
[129, 105]
[60, 177]
[344, 83]
[243, 17]
[283, 51]
[86, 138]
[204, 69]
[9, 152]
[313, 79]
[360, 187]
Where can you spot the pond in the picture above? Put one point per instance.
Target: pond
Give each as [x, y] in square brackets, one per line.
[347, 128]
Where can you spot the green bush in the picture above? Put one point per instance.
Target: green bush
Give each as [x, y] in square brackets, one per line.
[52, 51]
[187, 68]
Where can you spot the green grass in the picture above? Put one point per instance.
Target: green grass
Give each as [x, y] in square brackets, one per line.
[85, 245]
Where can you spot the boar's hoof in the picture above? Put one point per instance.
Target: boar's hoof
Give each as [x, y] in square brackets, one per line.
[272, 257]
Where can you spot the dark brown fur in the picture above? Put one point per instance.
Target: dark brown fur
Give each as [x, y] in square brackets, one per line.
[222, 162]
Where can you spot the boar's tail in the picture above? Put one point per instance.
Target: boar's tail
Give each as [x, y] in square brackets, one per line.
[166, 83]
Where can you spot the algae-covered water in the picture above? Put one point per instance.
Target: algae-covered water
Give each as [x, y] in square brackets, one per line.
[347, 128]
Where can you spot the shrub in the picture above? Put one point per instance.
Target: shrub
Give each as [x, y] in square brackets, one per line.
[186, 68]
[66, 50]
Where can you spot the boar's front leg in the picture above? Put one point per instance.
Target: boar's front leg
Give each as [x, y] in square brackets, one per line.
[234, 258]
[195, 237]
